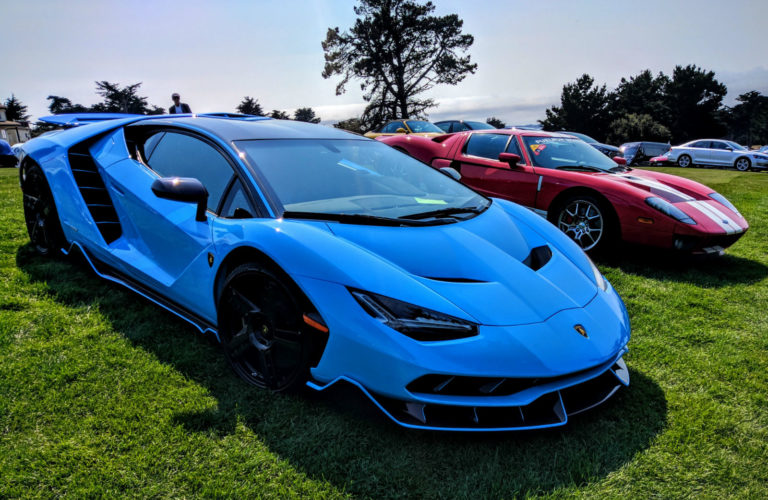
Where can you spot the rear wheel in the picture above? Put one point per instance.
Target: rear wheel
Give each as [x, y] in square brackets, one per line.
[261, 329]
[40, 212]
[586, 220]
[743, 164]
[684, 161]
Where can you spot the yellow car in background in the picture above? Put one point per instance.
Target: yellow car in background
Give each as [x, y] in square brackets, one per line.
[399, 127]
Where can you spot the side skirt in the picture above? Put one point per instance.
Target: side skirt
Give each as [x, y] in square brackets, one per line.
[108, 273]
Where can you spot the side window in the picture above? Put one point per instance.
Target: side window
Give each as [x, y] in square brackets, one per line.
[700, 144]
[181, 155]
[486, 145]
[459, 127]
[236, 204]
[445, 126]
[150, 144]
[391, 128]
[719, 145]
[514, 148]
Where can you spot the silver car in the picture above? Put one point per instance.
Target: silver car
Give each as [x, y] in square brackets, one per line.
[717, 152]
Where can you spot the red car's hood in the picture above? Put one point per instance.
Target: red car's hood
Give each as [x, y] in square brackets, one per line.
[689, 196]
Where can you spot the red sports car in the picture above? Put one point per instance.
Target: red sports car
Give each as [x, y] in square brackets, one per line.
[587, 195]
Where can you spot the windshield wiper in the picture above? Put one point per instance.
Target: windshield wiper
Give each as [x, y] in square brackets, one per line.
[445, 212]
[585, 168]
[362, 219]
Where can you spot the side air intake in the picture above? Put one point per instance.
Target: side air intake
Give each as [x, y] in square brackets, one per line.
[94, 192]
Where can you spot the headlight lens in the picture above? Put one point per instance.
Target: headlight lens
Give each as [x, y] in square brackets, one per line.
[599, 279]
[721, 200]
[413, 321]
[669, 209]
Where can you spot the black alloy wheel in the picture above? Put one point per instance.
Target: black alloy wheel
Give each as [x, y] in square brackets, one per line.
[40, 212]
[261, 329]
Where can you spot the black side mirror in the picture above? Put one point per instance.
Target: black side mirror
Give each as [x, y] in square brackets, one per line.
[451, 172]
[184, 189]
[510, 158]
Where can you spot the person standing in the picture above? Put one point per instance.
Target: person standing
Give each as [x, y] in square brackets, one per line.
[178, 106]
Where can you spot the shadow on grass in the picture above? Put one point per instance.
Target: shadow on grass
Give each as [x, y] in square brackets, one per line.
[699, 270]
[340, 438]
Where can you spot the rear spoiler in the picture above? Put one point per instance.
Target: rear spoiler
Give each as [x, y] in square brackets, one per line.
[69, 120]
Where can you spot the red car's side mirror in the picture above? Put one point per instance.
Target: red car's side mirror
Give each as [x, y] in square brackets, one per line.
[510, 158]
[619, 160]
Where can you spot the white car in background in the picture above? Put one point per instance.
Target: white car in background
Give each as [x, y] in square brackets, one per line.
[716, 152]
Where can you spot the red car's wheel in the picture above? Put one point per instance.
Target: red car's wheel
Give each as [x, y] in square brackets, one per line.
[585, 220]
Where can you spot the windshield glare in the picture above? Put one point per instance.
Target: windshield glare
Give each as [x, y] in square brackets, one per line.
[419, 127]
[353, 177]
[561, 152]
[480, 126]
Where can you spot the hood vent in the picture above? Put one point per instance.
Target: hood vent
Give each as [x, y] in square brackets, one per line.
[455, 280]
[538, 257]
[94, 192]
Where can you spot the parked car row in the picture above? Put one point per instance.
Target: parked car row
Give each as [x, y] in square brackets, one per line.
[715, 152]
[588, 196]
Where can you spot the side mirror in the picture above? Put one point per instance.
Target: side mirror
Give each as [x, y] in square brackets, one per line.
[184, 189]
[451, 172]
[620, 160]
[401, 130]
[510, 158]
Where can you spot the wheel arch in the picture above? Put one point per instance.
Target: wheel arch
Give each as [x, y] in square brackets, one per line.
[583, 190]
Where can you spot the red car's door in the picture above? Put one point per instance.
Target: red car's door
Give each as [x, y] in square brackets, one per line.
[480, 168]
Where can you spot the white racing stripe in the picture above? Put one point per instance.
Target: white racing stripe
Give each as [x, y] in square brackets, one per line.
[726, 223]
[653, 184]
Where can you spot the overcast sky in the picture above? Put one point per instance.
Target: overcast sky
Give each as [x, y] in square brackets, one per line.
[214, 53]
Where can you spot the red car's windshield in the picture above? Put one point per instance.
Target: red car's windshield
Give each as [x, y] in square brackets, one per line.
[564, 152]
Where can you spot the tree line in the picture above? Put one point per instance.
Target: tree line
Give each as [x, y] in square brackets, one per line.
[685, 105]
[398, 49]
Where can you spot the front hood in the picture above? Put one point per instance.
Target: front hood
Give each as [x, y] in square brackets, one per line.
[669, 187]
[478, 266]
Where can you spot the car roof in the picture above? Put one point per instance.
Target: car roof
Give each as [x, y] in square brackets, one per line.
[521, 132]
[243, 127]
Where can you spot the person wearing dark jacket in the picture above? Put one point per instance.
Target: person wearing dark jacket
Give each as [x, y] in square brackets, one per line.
[178, 106]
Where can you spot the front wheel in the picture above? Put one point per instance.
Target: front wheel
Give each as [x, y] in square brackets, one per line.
[40, 212]
[261, 329]
[742, 164]
[684, 161]
[585, 220]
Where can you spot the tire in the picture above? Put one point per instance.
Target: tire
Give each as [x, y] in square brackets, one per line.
[742, 164]
[684, 161]
[261, 329]
[40, 214]
[587, 221]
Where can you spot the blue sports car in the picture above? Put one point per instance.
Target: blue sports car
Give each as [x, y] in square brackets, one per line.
[316, 256]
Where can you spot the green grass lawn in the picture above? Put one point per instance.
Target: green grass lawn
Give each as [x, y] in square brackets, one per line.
[104, 394]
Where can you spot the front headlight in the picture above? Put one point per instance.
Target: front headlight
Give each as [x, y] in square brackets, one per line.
[669, 209]
[721, 200]
[599, 279]
[413, 321]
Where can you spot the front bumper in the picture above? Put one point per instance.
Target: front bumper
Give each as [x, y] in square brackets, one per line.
[540, 373]
[566, 396]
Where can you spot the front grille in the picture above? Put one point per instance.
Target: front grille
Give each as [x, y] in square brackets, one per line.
[450, 385]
